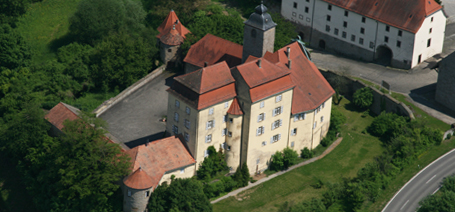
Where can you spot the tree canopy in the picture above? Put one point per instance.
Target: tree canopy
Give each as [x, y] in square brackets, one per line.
[15, 52]
[443, 200]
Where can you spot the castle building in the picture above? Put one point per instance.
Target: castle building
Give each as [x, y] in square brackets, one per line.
[171, 36]
[249, 100]
[400, 33]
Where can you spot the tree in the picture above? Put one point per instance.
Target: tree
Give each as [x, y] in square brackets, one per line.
[242, 175]
[283, 160]
[15, 51]
[96, 19]
[212, 164]
[442, 201]
[184, 195]
[10, 10]
[363, 98]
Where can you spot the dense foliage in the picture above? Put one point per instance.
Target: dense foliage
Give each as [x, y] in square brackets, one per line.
[443, 200]
[228, 183]
[182, 195]
[306, 153]
[363, 98]
[96, 19]
[15, 52]
[283, 160]
[213, 164]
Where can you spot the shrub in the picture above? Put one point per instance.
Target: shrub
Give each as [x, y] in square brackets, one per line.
[306, 153]
[283, 160]
[336, 120]
[241, 175]
[449, 135]
[212, 164]
[363, 98]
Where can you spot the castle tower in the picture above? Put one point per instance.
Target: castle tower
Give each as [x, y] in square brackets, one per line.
[234, 127]
[136, 191]
[258, 34]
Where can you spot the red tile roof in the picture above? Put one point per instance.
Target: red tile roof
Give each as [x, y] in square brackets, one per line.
[138, 180]
[311, 88]
[213, 49]
[169, 22]
[216, 96]
[172, 38]
[235, 108]
[61, 112]
[157, 158]
[207, 78]
[255, 75]
[404, 14]
[271, 88]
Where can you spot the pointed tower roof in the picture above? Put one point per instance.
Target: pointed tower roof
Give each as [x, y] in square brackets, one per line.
[172, 37]
[138, 180]
[260, 18]
[235, 108]
[169, 23]
[207, 78]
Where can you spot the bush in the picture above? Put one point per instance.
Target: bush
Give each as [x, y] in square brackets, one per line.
[283, 160]
[363, 98]
[306, 153]
[336, 120]
[212, 164]
[449, 135]
[387, 124]
[241, 175]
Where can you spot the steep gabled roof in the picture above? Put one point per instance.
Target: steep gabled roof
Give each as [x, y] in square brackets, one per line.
[207, 78]
[61, 112]
[168, 24]
[213, 49]
[256, 74]
[235, 109]
[404, 14]
[172, 38]
[155, 159]
[311, 88]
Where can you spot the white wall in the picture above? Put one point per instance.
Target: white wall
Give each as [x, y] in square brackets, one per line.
[298, 14]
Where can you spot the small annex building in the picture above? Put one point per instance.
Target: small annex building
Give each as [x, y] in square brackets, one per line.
[153, 164]
[399, 33]
[249, 100]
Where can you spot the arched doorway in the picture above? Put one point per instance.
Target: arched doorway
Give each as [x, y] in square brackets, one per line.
[384, 55]
[322, 44]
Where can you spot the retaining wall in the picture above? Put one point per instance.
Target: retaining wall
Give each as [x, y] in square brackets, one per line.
[112, 101]
[381, 102]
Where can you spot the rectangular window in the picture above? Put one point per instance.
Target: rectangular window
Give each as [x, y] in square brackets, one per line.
[210, 124]
[371, 44]
[345, 24]
[264, 143]
[301, 17]
[306, 9]
[176, 116]
[230, 133]
[187, 137]
[177, 104]
[386, 39]
[129, 192]
[307, 0]
[400, 33]
[327, 28]
[335, 31]
[261, 105]
[147, 194]
[226, 104]
[343, 34]
[322, 118]
[352, 37]
[398, 43]
[419, 59]
[429, 42]
[231, 120]
[362, 30]
[211, 111]
[223, 145]
[224, 132]
[275, 138]
[278, 98]
[323, 105]
[292, 144]
[260, 131]
[294, 132]
[228, 147]
[208, 138]
[361, 41]
[387, 28]
[261, 117]
[431, 29]
[182, 171]
[187, 123]
[225, 118]
[328, 18]
[294, 14]
[277, 111]
[175, 129]
[329, 7]
[187, 110]
[363, 19]
[431, 19]
[277, 124]
[346, 13]
[206, 153]
[314, 125]
[295, 4]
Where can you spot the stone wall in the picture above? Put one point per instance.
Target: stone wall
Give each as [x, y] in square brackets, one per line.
[381, 102]
[445, 89]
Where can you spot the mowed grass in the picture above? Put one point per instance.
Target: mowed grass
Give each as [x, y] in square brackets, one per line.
[345, 160]
[45, 25]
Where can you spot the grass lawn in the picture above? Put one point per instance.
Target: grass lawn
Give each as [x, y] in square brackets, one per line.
[13, 195]
[345, 160]
[45, 25]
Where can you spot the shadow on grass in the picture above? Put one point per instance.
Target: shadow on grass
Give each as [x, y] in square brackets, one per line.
[13, 194]
[62, 41]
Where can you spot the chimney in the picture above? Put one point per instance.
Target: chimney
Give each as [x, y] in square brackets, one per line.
[206, 64]
[259, 63]
[289, 63]
[289, 52]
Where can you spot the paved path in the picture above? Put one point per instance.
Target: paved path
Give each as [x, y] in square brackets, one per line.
[426, 182]
[135, 119]
[250, 185]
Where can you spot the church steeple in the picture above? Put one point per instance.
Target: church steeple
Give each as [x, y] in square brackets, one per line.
[259, 33]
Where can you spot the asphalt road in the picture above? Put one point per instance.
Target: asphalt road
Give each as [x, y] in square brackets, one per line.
[135, 119]
[425, 183]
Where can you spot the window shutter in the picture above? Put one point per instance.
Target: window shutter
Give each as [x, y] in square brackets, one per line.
[207, 126]
[259, 117]
[213, 125]
[257, 131]
[263, 129]
[273, 127]
[263, 118]
[296, 117]
[304, 114]
[279, 136]
[273, 112]
[282, 109]
[271, 140]
[281, 122]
